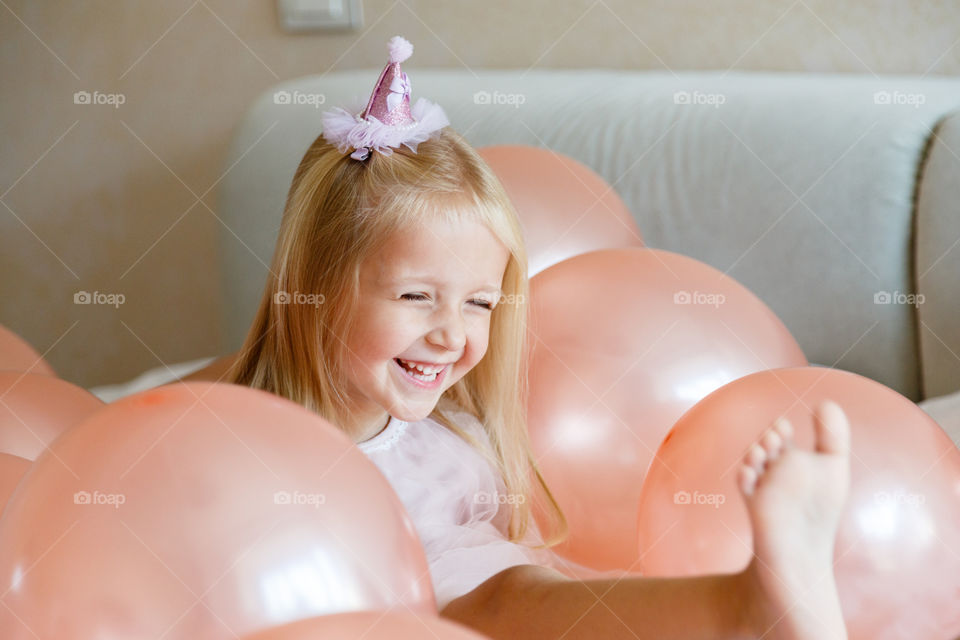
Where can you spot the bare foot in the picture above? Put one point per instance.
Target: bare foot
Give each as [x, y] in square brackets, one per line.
[795, 499]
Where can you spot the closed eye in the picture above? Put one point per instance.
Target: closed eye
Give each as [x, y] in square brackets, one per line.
[419, 296]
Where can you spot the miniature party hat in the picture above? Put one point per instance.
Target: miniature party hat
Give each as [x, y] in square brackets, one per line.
[388, 120]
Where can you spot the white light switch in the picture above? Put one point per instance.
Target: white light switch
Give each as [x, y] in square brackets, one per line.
[320, 15]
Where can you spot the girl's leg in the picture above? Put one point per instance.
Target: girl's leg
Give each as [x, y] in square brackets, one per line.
[532, 602]
[794, 498]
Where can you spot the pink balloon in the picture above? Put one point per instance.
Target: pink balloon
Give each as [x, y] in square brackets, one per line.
[897, 556]
[626, 340]
[17, 355]
[12, 469]
[370, 625]
[565, 208]
[36, 409]
[202, 510]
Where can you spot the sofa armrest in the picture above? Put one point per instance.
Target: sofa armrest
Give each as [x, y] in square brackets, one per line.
[938, 261]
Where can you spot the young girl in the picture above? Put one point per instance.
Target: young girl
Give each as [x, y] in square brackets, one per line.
[396, 309]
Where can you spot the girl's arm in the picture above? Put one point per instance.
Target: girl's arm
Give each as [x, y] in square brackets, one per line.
[530, 601]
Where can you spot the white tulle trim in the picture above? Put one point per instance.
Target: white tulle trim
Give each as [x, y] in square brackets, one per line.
[348, 131]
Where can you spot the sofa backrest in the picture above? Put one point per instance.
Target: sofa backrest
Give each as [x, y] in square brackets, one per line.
[802, 187]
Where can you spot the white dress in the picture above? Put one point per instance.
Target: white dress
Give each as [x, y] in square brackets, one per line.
[455, 499]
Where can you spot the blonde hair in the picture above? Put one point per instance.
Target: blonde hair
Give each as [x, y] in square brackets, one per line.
[339, 211]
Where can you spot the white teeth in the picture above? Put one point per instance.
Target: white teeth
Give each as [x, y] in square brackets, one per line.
[425, 377]
[427, 370]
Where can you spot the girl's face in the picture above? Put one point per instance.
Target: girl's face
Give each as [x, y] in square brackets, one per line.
[425, 299]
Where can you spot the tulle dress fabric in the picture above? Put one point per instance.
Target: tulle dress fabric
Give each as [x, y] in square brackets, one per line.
[456, 500]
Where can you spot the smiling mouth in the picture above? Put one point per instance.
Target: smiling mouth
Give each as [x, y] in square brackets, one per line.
[434, 371]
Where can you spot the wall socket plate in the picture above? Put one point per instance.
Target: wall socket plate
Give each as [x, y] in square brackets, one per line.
[320, 15]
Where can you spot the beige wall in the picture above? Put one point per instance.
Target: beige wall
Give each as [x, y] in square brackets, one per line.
[120, 200]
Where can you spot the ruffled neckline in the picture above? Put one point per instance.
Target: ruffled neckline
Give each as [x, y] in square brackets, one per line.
[386, 438]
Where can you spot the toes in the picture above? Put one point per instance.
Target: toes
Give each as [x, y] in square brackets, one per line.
[772, 443]
[747, 478]
[783, 427]
[831, 429]
[756, 457]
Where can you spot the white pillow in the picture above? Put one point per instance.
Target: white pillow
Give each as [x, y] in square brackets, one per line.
[151, 378]
[945, 410]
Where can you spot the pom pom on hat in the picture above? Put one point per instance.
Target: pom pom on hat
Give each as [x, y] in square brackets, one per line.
[400, 49]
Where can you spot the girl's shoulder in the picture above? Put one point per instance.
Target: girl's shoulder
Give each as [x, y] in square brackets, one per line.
[468, 423]
[464, 419]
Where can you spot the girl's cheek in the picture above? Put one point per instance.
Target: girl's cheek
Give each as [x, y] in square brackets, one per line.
[476, 349]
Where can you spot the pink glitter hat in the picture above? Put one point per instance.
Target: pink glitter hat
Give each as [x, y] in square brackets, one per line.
[388, 120]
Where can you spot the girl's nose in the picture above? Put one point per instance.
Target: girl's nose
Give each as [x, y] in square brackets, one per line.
[449, 331]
